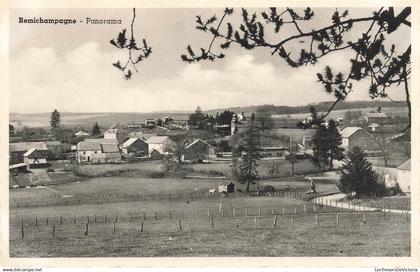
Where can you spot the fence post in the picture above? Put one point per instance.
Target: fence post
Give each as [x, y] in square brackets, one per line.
[114, 227]
[294, 209]
[170, 215]
[95, 218]
[337, 219]
[293, 221]
[36, 221]
[259, 211]
[179, 224]
[53, 230]
[142, 226]
[364, 217]
[234, 212]
[74, 219]
[212, 223]
[22, 229]
[304, 208]
[316, 219]
[208, 212]
[223, 213]
[156, 216]
[275, 221]
[144, 215]
[255, 222]
[87, 229]
[272, 211]
[246, 211]
[314, 207]
[61, 220]
[283, 211]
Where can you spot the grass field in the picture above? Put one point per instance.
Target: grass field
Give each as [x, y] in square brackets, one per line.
[239, 235]
[243, 225]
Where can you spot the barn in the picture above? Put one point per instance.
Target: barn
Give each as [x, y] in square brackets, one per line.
[226, 187]
[197, 149]
[35, 159]
[135, 146]
[357, 136]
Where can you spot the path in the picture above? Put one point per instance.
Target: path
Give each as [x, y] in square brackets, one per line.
[334, 201]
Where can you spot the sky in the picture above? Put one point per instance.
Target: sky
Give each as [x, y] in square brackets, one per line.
[69, 67]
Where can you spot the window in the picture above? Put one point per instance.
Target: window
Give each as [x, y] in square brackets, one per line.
[84, 152]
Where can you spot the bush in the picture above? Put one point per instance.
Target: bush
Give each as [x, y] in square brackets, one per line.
[269, 188]
[155, 174]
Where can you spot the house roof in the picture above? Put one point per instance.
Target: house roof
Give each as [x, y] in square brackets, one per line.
[225, 183]
[110, 148]
[157, 139]
[376, 115]
[348, 131]
[88, 146]
[81, 133]
[130, 142]
[52, 143]
[405, 166]
[102, 140]
[29, 152]
[113, 131]
[37, 161]
[17, 165]
[141, 135]
[196, 141]
[25, 146]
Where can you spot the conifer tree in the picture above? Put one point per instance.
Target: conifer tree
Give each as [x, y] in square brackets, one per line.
[96, 130]
[357, 176]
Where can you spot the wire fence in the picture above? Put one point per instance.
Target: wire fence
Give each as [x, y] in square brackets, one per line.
[194, 220]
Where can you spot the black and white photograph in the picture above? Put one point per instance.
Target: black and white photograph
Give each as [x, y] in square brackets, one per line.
[226, 131]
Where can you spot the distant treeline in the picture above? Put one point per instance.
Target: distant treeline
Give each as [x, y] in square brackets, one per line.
[322, 106]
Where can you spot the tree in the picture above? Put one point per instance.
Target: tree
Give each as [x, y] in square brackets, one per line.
[350, 116]
[264, 118]
[246, 171]
[136, 53]
[159, 122]
[384, 145]
[95, 129]
[326, 145]
[292, 157]
[225, 118]
[197, 118]
[383, 65]
[357, 177]
[55, 120]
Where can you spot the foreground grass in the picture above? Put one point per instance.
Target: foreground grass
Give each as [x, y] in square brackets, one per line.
[378, 237]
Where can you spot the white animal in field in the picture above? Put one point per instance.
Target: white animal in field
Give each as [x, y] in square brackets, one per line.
[212, 191]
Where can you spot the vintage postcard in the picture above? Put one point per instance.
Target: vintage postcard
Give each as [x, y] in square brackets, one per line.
[188, 132]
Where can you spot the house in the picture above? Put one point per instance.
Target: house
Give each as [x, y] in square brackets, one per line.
[155, 155]
[150, 123]
[226, 187]
[81, 133]
[115, 133]
[404, 176]
[197, 149]
[135, 146]
[380, 118]
[112, 152]
[133, 126]
[98, 151]
[17, 150]
[57, 149]
[18, 168]
[357, 136]
[89, 151]
[35, 159]
[11, 130]
[392, 176]
[162, 144]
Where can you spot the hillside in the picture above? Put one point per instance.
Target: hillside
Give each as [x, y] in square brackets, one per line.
[86, 120]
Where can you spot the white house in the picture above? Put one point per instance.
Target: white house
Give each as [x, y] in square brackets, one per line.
[162, 144]
[81, 133]
[115, 133]
[89, 151]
